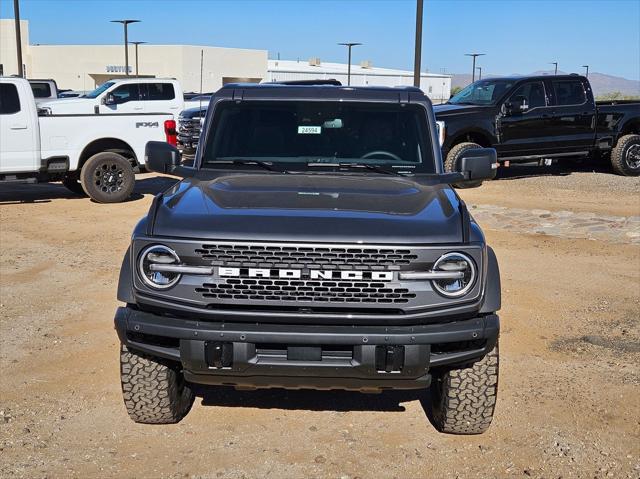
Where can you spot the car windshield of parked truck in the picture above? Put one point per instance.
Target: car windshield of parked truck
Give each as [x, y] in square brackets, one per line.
[310, 134]
[98, 91]
[483, 92]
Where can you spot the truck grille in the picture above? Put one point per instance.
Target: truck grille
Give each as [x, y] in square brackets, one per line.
[302, 290]
[297, 257]
[189, 130]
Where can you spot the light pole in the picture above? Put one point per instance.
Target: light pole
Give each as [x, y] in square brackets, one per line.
[136, 44]
[16, 11]
[479, 72]
[556, 67]
[418, 47]
[125, 23]
[587, 72]
[349, 45]
[473, 70]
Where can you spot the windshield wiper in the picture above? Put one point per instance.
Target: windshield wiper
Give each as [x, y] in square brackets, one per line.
[368, 166]
[240, 161]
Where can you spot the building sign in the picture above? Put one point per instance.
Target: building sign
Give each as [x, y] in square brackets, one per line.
[118, 69]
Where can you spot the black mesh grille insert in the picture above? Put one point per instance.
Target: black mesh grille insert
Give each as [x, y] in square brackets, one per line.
[281, 256]
[339, 291]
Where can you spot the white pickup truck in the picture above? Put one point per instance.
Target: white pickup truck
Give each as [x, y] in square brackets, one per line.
[95, 154]
[127, 95]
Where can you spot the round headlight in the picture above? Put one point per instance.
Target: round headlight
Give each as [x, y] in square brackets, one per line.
[150, 266]
[455, 263]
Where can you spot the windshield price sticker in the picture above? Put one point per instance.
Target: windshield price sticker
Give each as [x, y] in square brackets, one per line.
[309, 130]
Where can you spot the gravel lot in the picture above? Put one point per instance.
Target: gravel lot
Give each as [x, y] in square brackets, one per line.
[569, 399]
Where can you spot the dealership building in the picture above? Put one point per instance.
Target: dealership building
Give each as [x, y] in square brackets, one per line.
[83, 67]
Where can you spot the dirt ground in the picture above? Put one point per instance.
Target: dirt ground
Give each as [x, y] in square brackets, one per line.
[569, 394]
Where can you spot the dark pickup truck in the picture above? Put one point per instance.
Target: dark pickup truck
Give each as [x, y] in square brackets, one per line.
[315, 243]
[538, 118]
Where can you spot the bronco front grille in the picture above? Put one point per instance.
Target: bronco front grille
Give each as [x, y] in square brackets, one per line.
[304, 290]
[289, 256]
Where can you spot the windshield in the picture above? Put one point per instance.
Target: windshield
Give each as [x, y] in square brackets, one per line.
[98, 91]
[482, 92]
[391, 136]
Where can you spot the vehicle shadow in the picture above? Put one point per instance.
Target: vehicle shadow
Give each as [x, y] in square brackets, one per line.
[16, 193]
[516, 172]
[311, 400]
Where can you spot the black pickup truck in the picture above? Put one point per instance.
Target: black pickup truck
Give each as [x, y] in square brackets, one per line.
[315, 243]
[538, 118]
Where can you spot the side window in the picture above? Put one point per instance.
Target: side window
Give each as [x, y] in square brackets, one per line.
[569, 92]
[126, 93]
[9, 99]
[41, 90]
[160, 91]
[532, 93]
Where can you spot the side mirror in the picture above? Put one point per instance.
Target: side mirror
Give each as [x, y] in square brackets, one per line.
[515, 105]
[478, 165]
[162, 157]
[110, 99]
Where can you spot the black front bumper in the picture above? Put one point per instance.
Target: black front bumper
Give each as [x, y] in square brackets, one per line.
[308, 356]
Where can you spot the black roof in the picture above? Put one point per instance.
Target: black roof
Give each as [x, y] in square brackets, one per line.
[323, 90]
[567, 76]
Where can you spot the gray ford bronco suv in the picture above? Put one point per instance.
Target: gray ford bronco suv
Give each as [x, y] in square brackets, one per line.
[315, 243]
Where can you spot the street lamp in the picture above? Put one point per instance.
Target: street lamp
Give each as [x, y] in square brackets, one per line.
[16, 16]
[125, 23]
[418, 47]
[479, 72]
[587, 72]
[473, 70]
[136, 44]
[556, 66]
[349, 45]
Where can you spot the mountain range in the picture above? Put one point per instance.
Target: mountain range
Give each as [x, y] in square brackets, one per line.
[600, 82]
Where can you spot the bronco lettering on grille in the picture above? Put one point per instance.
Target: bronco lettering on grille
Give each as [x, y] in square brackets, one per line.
[304, 274]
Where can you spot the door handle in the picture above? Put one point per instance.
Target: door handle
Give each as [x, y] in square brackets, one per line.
[18, 126]
[137, 108]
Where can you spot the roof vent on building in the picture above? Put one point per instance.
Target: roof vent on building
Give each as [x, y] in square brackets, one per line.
[314, 61]
[366, 64]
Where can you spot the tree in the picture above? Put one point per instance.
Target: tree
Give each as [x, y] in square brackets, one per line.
[455, 90]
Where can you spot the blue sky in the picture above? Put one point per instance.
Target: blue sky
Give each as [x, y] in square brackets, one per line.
[518, 36]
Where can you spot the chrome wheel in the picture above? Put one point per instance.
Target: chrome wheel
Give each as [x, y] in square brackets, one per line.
[109, 177]
[632, 158]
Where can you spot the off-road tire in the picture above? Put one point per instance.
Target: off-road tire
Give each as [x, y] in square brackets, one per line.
[115, 189]
[620, 155]
[154, 390]
[452, 159]
[73, 184]
[463, 400]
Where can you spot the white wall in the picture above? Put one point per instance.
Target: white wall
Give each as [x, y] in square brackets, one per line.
[8, 56]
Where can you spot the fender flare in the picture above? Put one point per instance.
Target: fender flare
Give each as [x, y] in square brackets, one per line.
[125, 285]
[492, 292]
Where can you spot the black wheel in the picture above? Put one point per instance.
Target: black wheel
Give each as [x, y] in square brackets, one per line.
[463, 400]
[451, 163]
[72, 184]
[108, 177]
[625, 157]
[154, 390]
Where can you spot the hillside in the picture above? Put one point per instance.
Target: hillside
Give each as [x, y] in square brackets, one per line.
[600, 82]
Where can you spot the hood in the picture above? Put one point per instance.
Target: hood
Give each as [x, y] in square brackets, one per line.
[311, 207]
[449, 109]
[194, 112]
[70, 105]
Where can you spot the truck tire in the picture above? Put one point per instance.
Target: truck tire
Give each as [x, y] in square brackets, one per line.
[154, 390]
[108, 177]
[463, 400]
[453, 157]
[625, 157]
[73, 185]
